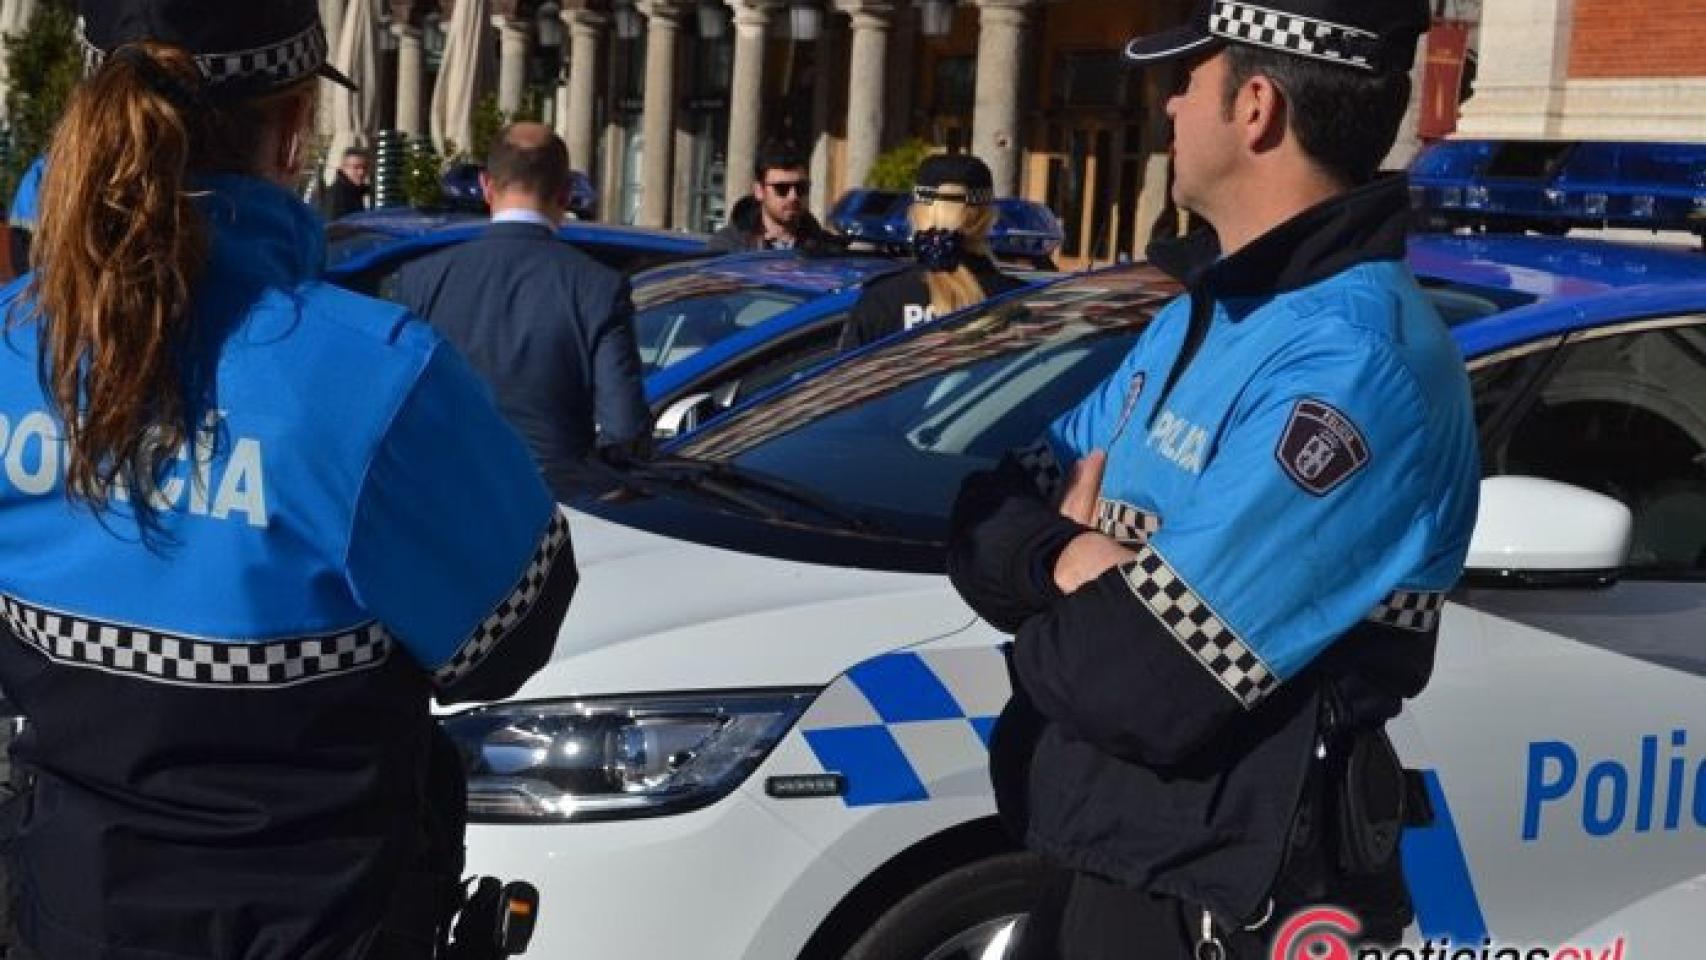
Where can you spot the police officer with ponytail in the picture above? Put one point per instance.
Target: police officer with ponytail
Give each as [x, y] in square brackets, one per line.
[953, 209]
[251, 525]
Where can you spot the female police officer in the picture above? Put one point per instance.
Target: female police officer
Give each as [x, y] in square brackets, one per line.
[249, 525]
[952, 213]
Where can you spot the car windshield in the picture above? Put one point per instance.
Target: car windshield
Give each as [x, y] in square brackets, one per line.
[678, 317]
[890, 434]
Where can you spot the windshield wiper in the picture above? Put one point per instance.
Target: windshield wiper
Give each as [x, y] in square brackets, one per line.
[718, 473]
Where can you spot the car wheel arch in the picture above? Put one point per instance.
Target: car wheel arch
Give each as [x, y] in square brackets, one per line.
[903, 874]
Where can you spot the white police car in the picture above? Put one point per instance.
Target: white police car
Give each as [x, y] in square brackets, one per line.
[763, 735]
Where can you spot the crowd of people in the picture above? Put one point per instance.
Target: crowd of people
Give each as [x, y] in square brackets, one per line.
[230, 751]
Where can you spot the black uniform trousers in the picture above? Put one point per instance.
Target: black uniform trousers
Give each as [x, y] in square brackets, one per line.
[1084, 917]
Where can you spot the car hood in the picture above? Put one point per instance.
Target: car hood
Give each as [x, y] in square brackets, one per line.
[654, 614]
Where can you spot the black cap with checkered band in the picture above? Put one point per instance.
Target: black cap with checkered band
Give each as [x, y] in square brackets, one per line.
[241, 49]
[1377, 36]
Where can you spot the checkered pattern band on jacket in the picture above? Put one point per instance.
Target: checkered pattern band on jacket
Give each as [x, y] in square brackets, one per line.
[1126, 523]
[160, 657]
[1198, 629]
[1264, 27]
[513, 609]
[280, 64]
[1410, 610]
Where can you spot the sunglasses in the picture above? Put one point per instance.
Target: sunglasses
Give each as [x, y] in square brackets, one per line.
[787, 188]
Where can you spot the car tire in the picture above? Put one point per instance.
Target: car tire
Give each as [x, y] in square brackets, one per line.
[970, 903]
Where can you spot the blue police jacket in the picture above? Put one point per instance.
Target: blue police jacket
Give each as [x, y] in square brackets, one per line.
[228, 709]
[25, 211]
[1292, 457]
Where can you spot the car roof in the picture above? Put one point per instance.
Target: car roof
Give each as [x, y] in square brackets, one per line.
[415, 229]
[409, 222]
[1550, 268]
[784, 270]
[1572, 283]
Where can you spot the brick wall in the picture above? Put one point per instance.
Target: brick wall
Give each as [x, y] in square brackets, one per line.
[1638, 38]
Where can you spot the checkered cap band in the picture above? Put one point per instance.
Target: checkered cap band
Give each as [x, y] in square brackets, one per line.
[278, 64]
[1198, 629]
[1410, 610]
[512, 609]
[973, 196]
[1126, 523]
[1303, 36]
[1039, 463]
[161, 657]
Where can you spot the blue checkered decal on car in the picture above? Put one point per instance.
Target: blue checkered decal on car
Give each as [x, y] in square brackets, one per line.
[910, 726]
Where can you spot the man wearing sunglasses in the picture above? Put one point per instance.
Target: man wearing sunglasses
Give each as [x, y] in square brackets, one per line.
[775, 216]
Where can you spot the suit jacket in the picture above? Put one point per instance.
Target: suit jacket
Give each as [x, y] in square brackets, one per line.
[552, 331]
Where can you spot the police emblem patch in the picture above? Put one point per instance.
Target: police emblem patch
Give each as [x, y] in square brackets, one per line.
[1320, 447]
[1132, 394]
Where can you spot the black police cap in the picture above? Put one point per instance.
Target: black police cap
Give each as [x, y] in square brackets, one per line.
[962, 169]
[241, 48]
[1377, 36]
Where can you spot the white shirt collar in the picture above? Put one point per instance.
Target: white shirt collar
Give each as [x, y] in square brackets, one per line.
[521, 215]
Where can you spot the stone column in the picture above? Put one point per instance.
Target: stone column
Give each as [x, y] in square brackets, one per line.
[513, 43]
[1000, 65]
[576, 107]
[746, 94]
[1525, 61]
[871, 22]
[823, 94]
[663, 26]
[411, 76]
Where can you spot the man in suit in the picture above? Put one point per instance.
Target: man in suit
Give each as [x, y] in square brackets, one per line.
[549, 327]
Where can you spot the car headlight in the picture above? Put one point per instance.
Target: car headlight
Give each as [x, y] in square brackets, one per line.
[1451, 197]
[615, 758]
[1478, 198]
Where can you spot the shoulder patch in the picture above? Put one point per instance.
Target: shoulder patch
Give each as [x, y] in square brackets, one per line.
[1320, 448]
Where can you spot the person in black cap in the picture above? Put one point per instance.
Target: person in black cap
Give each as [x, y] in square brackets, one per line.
[953, 209]
[1224, 568]
[264, 522]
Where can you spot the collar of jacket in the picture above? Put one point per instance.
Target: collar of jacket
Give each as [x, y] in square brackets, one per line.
[260, 231]
[1360, 225]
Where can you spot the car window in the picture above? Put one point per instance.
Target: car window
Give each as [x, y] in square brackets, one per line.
[794, 355]
[1624, 414]
[672, 331]
[1459, 302]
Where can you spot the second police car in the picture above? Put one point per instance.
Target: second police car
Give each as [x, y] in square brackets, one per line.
[763, 734]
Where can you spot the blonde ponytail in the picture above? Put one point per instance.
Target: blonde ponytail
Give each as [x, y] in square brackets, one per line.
[955, 289]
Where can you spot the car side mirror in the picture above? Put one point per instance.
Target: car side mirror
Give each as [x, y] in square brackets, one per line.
[680, 416]
[1540, 533]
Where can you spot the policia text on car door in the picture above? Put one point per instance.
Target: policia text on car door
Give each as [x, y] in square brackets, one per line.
[259, 523]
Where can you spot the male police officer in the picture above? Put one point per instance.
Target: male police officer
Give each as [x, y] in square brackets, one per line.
[1224, 568]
